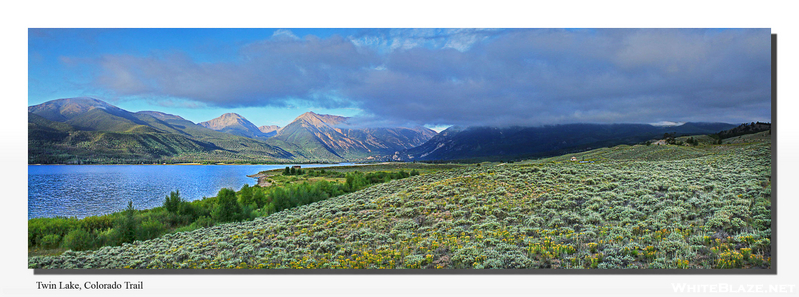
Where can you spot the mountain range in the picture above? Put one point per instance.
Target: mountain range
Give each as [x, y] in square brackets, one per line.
[326, 136]
[495, 143]
[87, 131]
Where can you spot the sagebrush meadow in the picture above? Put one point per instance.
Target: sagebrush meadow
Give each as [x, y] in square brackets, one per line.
[642, 206]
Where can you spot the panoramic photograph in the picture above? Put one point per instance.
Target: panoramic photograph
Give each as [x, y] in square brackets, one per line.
[425, 149]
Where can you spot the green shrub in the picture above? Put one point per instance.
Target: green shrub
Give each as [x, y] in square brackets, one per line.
[149, 229]
[50, 241]
[78, 240]
[93, 223]
[109, 237]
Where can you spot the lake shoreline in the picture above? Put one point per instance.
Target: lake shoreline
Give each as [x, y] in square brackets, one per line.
[263, 176]
[81, 191]
[262, 179]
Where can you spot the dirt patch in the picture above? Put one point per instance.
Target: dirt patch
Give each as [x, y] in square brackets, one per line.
[263, 179]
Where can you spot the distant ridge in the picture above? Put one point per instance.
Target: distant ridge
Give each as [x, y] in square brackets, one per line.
[161, 116]
[90, 131]
[269, 128]
[471, 143]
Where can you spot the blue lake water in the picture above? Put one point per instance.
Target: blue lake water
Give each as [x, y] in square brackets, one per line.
[87, 190]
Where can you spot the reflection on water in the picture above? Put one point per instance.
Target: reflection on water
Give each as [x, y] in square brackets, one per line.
[86, 190]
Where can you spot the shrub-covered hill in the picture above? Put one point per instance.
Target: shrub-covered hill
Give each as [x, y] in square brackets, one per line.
[711, 211]
[754, 137]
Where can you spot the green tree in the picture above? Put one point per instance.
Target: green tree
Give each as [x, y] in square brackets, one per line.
[259, 198]
[126, 225]
[280, 199]
[227, 207]
[246, 196]
[355, 181]
[287, 171]
[173, 201]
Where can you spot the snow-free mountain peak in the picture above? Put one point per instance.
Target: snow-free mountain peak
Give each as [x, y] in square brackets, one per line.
[64, 109]
[316, 119]
[233, 123]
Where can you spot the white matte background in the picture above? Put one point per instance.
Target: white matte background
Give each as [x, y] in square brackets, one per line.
[17, 280]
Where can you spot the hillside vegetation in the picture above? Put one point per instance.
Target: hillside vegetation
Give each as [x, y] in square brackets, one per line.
[647, 207]
[289, 189]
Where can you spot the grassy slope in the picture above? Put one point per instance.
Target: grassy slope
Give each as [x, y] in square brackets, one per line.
[302, 142]
[756, 137]
[57, 143]
[102, 120]
[636, 207]
[701, 139]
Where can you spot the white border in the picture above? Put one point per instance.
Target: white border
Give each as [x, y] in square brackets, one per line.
[16, 18]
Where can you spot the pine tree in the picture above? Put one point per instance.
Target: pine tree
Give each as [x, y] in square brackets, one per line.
[173, 201]
[127, 224]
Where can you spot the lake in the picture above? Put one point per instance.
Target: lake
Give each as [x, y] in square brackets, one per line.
[87, 190]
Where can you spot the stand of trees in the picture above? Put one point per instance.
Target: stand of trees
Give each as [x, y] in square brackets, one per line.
[293, 171]
[744, 129]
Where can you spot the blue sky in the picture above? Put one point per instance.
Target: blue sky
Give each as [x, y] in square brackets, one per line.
[406, 77]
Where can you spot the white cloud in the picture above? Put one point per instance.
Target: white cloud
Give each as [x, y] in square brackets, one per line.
[667, 124]
[404, 39]
[284, 33]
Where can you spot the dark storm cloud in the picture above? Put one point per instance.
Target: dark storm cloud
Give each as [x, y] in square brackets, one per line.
[473, 77]
[559, 76]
